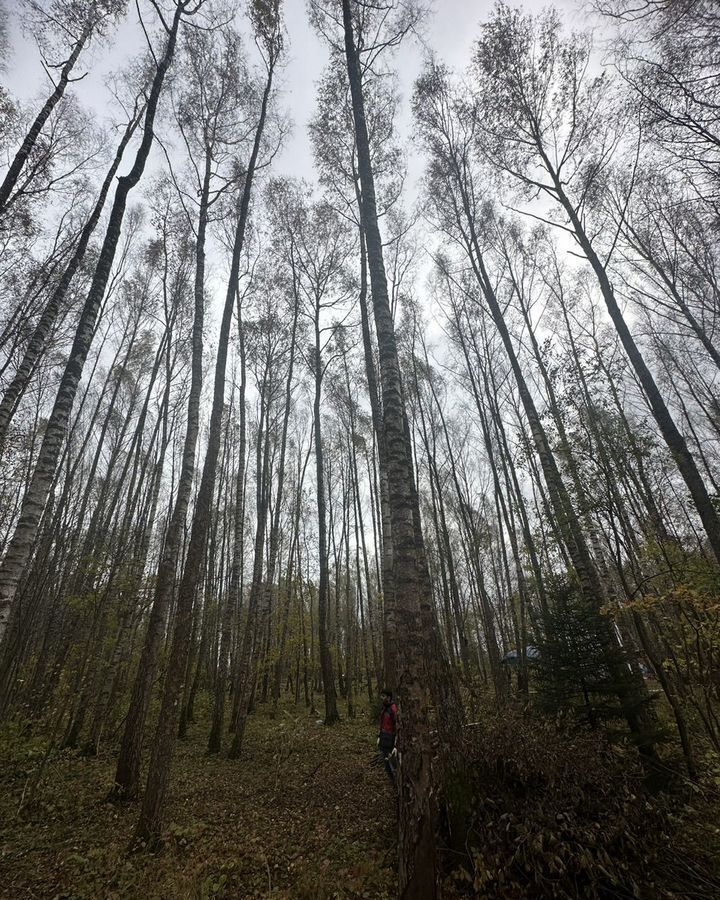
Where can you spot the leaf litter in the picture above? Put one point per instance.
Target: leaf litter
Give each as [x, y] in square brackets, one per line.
[302, 814]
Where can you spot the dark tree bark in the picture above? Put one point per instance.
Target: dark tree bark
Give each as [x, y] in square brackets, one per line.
[417, 878]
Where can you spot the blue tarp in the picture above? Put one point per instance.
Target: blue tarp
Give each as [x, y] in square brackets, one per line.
[512, 658]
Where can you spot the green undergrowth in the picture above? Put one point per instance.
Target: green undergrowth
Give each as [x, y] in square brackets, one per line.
[303, 814]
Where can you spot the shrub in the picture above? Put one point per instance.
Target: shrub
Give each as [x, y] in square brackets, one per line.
[542, 811]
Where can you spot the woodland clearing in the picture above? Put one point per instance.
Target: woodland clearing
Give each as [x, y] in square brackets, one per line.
[304, 813]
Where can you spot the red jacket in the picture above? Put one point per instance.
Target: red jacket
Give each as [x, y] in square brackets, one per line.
[388, 719]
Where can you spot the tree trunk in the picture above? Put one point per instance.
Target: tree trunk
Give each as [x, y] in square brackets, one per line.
[19, 383]
[127, 772]
[417, 876]
[20, 546]
[326, 665]
[31, 137]
[150, 824]
[669, 430]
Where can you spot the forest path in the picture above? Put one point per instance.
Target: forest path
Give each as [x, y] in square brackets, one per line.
[303, 814]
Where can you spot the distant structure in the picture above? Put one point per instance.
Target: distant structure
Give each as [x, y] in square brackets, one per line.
[512, 658]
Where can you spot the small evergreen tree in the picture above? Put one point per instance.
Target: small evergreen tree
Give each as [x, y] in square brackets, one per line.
[577, 657]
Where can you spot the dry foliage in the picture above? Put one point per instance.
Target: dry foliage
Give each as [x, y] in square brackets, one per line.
[543, 811]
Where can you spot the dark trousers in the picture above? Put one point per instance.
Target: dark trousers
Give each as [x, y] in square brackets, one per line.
[386, 747]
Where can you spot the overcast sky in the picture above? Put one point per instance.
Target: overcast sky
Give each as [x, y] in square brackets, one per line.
[449, 31]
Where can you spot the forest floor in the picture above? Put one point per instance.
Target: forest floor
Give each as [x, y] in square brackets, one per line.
[303, 814]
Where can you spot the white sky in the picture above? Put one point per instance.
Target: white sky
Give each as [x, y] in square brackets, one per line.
[449, 31]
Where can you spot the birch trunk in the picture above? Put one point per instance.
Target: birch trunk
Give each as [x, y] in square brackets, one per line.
[20, 546]
[417, 876]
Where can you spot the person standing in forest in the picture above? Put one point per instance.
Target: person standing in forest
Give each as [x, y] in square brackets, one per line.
[388, 734]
